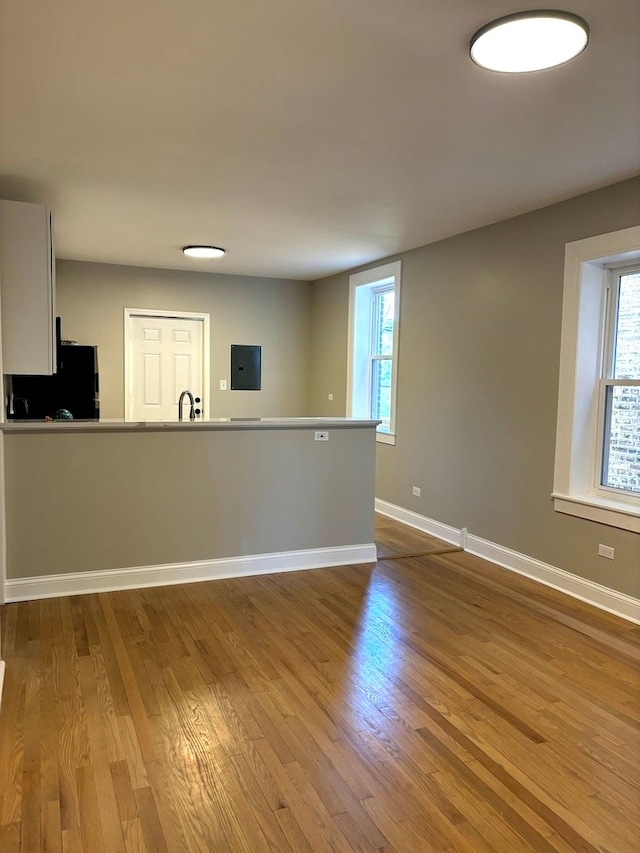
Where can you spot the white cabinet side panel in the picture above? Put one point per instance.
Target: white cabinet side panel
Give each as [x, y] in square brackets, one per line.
[26, 276]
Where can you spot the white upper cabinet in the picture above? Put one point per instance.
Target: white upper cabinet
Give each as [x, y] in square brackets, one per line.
[27, 289]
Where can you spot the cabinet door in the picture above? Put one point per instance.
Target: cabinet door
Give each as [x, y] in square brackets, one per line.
[27, 289]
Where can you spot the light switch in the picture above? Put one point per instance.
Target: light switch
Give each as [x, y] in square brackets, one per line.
[223, 384]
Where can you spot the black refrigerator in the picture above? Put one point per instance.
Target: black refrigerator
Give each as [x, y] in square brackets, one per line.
[74, 387]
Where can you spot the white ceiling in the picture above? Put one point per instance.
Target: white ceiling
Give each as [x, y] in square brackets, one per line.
[304, 136]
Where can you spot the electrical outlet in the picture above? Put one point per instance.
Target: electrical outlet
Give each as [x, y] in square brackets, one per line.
[416, 491]
[223, 384]
[329, 396]
[607, 551]
[321, 436]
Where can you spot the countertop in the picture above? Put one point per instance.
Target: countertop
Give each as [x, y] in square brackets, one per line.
[120, 425]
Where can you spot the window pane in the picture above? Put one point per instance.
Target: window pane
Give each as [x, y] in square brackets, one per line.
[627, 349]
[621, 462]
[383, 334]
[381, 392]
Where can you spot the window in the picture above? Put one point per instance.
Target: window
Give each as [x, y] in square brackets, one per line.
[597, 472]
[620, 386]
[374, 299]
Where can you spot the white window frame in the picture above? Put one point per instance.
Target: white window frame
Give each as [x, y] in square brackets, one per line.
[613, 274]
[577, 476]
[362, 288]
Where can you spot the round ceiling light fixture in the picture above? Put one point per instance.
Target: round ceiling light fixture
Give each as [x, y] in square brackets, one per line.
[529, 41]
[203, 251]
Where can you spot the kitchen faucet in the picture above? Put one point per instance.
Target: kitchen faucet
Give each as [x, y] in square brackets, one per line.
[192, 411]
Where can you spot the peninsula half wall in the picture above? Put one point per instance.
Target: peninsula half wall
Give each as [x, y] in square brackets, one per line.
[100, 506]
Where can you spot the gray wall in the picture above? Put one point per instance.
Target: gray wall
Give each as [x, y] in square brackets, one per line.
[478, 383]
[92, 501]
[274, 313]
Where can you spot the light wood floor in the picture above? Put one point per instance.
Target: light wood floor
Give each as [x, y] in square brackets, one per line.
[434, 703]
[398, 540]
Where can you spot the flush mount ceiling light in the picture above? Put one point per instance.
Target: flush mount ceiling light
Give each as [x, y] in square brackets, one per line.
[529, 41]
[203, 251]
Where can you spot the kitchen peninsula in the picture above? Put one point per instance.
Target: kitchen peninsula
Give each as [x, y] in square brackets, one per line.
[93, 506]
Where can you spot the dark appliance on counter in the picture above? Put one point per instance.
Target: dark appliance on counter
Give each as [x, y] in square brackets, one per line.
[78, 381]
[74, 387]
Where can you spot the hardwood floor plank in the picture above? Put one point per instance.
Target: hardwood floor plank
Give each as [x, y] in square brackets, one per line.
[90, 822]
[166, 803]
[77, 616]
[291, 830]
[123, 791]
[31, 841]
[100, 758]
[394, 540]
[49, 784]
[31, 779]
[319, 825]
[8, 628]
[361, 831]
[131, 685]
[150, 825]
[94, 615]
[133, 835]
[10, 838]
[520, 785]
[432, 703]
[11, 741]
[195, 777]
[51, 829]
[21, 635]
[461, 783]
[67, 718]
[252, 787]
[131, 752]
[72, 840]
[405, 834]
[111, 738]
[250, 758]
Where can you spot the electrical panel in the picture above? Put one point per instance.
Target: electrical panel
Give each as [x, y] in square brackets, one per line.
[246, 367]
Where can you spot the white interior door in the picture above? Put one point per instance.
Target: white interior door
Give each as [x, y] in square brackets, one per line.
[165, 356]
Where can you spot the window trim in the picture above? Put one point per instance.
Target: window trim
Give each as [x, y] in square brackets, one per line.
[581, 369]
[613, 273]
[369, 279]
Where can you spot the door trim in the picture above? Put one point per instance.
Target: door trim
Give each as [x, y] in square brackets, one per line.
[181, 315]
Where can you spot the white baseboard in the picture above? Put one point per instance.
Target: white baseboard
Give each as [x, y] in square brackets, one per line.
[2, 667]
[599, 596]
[53, 586]
[420, 522]
[593, 593]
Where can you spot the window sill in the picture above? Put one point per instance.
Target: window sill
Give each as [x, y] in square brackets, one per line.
[611, 512]
[385, 438]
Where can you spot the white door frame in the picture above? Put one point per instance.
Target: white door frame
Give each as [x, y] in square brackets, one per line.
[181, 315]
